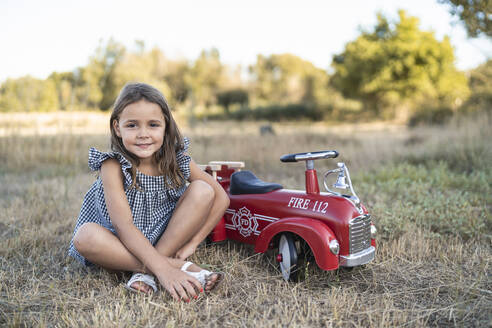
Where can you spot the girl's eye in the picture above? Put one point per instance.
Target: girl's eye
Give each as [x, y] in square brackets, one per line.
[131, 125]
[154, 125]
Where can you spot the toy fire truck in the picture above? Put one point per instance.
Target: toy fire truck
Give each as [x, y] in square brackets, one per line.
[332, 227]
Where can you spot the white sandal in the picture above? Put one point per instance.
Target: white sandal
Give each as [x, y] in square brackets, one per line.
[141, 277]
[203, 275]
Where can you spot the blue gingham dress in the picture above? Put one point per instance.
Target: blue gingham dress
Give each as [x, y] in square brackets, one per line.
[152, 204]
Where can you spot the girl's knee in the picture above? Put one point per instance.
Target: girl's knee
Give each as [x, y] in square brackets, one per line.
[201, 191]
[85, 237]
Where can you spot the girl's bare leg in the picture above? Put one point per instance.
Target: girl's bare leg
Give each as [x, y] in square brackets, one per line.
[100, 246]
[192, 210]
[220, 204]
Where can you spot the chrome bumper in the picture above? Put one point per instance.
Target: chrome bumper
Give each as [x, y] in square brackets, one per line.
[362, 257]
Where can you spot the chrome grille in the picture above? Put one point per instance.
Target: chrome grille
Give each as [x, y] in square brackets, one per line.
[360, 233]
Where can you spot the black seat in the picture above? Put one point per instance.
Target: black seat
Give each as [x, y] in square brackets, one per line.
[245, 182]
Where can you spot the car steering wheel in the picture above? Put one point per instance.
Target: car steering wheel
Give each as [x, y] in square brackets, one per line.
[309, 156]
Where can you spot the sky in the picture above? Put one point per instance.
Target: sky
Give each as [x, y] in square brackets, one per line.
[40, 37]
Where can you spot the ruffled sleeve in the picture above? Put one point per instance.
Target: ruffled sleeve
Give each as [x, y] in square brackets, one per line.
[96, 158]
[183, 159]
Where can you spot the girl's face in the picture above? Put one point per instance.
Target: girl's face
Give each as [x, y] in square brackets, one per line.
[141, 127]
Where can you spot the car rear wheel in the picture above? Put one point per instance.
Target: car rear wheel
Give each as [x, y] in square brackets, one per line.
[288, 257]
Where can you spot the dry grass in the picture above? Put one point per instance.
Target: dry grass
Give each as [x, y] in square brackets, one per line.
[428, 190]
[53, 123]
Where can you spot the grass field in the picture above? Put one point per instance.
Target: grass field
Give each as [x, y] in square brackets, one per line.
[428, 189]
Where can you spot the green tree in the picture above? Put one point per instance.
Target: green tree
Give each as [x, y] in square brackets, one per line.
[99, 75]
[285, 78]
[232, 97]
[397, 66]
[176, 78]
[205, 77]
[475, 15]
[64, 84]
[27, 94]
[148, 67]
[480, 83]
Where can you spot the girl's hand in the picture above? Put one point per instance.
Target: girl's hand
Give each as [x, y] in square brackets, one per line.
[179, 284]
[186, 251]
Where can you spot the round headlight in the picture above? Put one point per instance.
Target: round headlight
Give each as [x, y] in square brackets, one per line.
[373, 231]
[334, 247]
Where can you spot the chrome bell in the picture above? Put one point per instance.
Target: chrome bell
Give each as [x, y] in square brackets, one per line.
[340, 183]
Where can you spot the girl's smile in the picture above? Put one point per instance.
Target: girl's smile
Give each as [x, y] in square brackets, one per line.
[141, 127]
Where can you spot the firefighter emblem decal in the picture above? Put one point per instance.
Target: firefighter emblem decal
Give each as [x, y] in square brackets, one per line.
[244, 222]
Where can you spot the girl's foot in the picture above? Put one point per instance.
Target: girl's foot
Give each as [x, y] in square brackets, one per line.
[141, 286]
[141, 282]
[209, 280]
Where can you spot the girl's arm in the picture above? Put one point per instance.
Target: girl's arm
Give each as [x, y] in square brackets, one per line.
[221, 203]
[174, 280]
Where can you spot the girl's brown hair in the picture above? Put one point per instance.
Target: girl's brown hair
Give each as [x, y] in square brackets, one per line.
[173, 141]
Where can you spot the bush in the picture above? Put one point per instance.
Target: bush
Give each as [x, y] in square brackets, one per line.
[231, 97]
[275, 113]
[431, 116]
[478, 102]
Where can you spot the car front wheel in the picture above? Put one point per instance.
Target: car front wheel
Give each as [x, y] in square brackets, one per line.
[287, 257]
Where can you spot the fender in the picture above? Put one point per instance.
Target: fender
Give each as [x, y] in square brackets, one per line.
[314, 232]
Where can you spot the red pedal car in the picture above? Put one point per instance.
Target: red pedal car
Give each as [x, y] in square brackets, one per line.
[335, 228]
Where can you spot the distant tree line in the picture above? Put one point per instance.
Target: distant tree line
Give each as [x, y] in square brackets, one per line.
[392, 71]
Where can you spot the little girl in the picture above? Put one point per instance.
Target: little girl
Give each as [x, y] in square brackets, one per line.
[139, 215]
